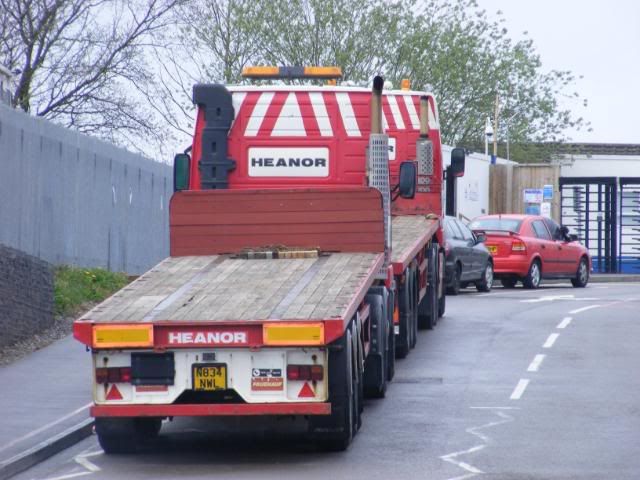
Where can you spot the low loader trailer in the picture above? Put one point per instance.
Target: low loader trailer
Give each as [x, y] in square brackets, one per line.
[304, 257]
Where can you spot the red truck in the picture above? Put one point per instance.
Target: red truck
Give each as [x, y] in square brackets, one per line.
[305, 253]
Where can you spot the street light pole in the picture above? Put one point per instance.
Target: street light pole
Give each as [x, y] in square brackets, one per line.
[488, 134]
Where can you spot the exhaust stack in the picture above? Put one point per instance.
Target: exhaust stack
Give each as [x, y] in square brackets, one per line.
[376, 105]
[424, 116]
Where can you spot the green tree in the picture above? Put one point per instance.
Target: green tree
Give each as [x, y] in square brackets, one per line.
[78, 61]
[452, 48]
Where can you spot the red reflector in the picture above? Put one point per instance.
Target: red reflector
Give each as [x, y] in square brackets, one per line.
[113, 375]
[306, 391]
[101, 375]
[125, 374]
[317, 372]
[293, 372]
[114, 393]
[305, 372]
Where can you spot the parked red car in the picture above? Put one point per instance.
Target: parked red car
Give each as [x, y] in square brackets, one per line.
[528, 248]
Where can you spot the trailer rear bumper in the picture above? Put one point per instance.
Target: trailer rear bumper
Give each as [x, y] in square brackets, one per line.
[211, 410]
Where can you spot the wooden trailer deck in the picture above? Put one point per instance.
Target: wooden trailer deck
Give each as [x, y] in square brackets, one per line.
[219, 288]
[409, 233]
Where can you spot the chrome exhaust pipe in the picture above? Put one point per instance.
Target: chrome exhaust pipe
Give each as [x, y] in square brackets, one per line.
[376, 105]
[424, 116]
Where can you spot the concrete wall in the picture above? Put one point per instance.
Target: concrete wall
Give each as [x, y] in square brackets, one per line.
[71, 199]
[26, 296]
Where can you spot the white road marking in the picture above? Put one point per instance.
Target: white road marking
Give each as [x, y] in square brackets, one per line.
[465, 466]
[549, 298]
[552, 298]
[69, 475]
[565, 322]
[473, 471]
[82, 460]
[495, 408]
[551, 340]
[520, 388]
[45, 427]
[583, 309]
[535, 364]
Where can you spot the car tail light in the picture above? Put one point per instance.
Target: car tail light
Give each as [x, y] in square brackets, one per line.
[518, 246]
[113, 375]
[305, 372]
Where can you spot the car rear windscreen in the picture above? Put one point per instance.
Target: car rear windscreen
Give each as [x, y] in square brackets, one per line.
[504, 224]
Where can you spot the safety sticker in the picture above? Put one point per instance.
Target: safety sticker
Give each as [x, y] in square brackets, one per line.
[267, 379]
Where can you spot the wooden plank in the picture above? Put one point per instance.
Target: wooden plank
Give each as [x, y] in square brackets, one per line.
[410, 233]
[213, 222]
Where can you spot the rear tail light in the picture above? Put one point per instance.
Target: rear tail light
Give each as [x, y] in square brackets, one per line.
[518, 246]
[305, 372]
[113, 375]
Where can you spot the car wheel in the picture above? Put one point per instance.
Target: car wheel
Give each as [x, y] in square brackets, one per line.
[532, 280]
[582, 275]
[485, 284]
[509, 282]
[454, 288]
[442, 305]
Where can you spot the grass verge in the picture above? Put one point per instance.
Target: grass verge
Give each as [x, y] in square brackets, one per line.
[75, 287]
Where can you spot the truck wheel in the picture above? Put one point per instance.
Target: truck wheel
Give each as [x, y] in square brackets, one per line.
[403, 341]
[391, 346]
[442, 306]
[429, 306]
[126, 435]
[375, 371]
[414, 308]
[335, 432]
[358, 376]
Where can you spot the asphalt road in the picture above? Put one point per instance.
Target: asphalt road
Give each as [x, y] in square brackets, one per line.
[514, 384]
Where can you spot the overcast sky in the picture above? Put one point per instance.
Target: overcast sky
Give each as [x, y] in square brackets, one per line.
[596, 39]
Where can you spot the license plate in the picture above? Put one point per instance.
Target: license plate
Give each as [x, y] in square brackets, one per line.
[492, 249]
[209, 377]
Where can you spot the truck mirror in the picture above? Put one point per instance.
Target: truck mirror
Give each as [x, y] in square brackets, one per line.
[181, 167]
[457, 162]
[407, 183]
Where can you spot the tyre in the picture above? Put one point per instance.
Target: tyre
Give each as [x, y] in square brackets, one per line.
[126, 435]
[335, 432]
[442, 305]
[428, 308]
[509, 282]
[534, 275]
[403, 340]
[375, 371]
[391, 346]
[454, 288]
[582, 275]
[414, 308]
[485, 284]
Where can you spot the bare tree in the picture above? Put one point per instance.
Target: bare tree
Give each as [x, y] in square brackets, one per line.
[79, 62]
